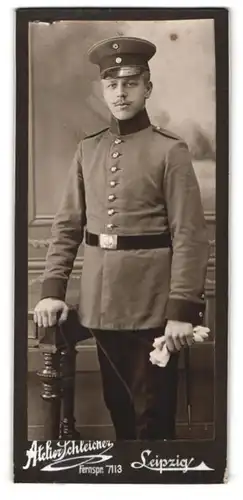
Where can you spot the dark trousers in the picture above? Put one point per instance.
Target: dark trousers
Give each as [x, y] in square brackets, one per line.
[141, 397]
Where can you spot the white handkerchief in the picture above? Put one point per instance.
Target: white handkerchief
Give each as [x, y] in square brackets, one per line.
[160, 355]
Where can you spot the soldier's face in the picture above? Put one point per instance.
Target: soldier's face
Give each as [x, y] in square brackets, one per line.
[125, 96]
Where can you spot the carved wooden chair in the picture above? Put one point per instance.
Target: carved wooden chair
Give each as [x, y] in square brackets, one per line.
[57, 344]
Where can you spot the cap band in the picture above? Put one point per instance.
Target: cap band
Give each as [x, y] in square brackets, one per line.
[121, 60]
[123, 71]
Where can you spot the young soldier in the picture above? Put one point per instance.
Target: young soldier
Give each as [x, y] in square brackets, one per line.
[145, 256]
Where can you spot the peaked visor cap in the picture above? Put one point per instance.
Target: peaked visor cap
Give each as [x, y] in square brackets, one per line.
[125, 56]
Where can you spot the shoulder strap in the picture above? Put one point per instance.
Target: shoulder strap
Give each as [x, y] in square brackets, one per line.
[165, 132]
[96, 133]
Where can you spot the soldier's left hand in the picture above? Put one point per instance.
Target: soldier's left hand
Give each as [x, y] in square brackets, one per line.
[178, 334]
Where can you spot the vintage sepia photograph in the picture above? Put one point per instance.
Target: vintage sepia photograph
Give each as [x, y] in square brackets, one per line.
[122, 338]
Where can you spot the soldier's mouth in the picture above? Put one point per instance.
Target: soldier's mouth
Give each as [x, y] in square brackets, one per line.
[122, 105]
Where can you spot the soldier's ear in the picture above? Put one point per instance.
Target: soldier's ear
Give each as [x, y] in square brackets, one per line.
[148, 90]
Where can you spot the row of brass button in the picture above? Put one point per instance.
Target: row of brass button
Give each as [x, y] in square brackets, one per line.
[112, 197]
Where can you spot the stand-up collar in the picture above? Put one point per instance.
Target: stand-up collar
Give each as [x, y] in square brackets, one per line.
[123, 127]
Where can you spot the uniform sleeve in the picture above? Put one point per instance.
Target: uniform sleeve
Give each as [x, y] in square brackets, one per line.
[67, 233]
[189, 238]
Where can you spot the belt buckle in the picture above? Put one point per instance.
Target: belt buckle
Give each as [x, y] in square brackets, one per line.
[108, 241]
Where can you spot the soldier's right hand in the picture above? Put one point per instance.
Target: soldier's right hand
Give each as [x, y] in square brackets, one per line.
[46, 312]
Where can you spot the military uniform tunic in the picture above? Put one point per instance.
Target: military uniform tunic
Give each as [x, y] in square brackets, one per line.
[131, 179]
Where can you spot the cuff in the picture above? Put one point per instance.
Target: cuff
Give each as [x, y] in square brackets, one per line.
[54, 287]
[186, 311]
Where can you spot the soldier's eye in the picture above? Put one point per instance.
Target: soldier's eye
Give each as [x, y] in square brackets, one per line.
[132, 83]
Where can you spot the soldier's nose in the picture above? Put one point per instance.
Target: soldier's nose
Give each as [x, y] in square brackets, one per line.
[121, 92]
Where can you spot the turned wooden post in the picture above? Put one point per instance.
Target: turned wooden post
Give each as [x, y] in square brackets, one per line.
[51, 393]
[57, 345]
[67, 370]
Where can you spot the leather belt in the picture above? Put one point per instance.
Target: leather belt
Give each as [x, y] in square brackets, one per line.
[128, 242]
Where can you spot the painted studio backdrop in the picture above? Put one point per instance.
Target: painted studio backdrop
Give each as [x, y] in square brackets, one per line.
[65, 105]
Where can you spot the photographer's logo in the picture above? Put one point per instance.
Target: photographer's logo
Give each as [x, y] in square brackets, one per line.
[63, 455]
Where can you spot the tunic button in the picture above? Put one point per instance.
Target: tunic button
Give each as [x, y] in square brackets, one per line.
[112, 183]
[111, 197]
[118, 141]
[113, 169]
[115, 155]
[201, 314]
[110, 226]
[111, 211]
